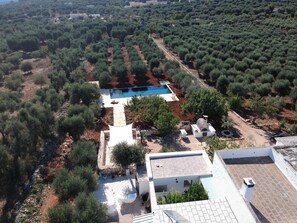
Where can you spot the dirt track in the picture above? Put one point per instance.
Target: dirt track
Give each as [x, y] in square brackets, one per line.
[252, 136]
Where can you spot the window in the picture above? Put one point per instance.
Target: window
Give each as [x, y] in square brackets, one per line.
[187, 183]
[160, 188]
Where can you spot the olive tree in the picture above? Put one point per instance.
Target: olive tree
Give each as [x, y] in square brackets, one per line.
[124, 154]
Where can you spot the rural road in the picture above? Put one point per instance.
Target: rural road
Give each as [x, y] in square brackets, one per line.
[255, 137]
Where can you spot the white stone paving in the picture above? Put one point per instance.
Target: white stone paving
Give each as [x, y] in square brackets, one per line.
[208, 211]
[119, 117]
[111, 189]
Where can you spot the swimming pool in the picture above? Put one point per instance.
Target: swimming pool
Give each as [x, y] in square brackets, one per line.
[139, 91]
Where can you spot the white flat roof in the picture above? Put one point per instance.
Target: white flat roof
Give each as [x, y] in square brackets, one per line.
[178, 164]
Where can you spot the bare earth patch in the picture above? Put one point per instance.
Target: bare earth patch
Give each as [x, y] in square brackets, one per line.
[41, 67]
[49, 201]
[91, 134]
[89, 69]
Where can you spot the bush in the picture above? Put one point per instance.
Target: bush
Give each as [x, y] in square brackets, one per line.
[205, 102]
[83, 111]
[67, 185]
[237, 89]
[84, 153]
[26, 66]
[74, 125]
[166, 123]
[171, 65]
[263, 89]
[138, 68]
[39, 79]
[293, 94]
[154, 63]
[104, 78]
[86, 173]
[222, 84]
[62, 213]
[281, 86]
[88, 209]
[196, 192]
[6, 68]
[39, 54]
[14, 82]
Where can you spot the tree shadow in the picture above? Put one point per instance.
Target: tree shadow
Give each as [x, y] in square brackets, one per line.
[141, 81]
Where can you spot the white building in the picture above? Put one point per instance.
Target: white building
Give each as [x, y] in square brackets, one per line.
[244, 185]
[202, 128]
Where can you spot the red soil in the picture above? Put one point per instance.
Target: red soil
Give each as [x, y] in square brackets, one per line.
[107, 119]
[49, 200]
[59, 160]
[91, 134]
[140, 54]
[130, 76]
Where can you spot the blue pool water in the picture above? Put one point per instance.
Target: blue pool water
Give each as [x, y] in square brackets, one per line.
[139, 91]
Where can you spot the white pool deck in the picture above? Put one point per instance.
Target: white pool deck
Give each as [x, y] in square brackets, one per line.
[109, 102]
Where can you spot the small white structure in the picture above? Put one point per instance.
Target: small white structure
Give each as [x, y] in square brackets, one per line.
[202, 128]
[247, 188]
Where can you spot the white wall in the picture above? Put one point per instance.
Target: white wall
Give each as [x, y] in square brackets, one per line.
[285, 167]
[143, 186]
[244, 153]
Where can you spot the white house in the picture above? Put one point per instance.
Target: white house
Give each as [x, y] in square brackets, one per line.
[176, 171]
[202, 128]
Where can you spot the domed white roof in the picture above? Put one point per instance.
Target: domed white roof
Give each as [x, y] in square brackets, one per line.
[201, 123]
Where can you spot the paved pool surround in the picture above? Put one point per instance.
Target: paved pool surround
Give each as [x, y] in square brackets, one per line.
[112, 97]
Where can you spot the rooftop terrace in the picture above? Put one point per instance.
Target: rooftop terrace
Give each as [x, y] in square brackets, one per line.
[274, 198]
[179, 165]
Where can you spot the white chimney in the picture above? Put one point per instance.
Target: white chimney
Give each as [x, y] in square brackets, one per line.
[247, 188]
[205, 118]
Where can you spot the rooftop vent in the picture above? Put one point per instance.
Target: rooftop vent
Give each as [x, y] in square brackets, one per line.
[159, 165]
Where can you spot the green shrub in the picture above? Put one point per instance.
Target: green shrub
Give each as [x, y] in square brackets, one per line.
[39, 79]
[14, 82]
[67, 185]
[84, 153]
[26, 66]
[62, 213]
[196, 192]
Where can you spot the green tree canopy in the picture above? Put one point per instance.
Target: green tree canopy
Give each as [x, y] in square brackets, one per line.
[205, 102]
[68, 185]
[124, 154]
[86, 173]
[84, 153]
[88, 209]
[61, 213]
